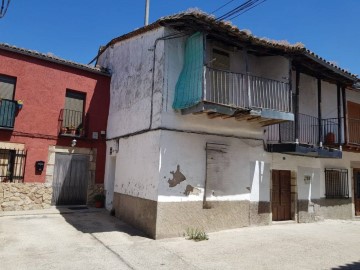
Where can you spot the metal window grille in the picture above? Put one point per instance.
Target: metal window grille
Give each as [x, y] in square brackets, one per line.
[336, 183]
[12, 165]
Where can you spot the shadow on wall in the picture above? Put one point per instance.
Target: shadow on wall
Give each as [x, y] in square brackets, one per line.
[348, 266]
[90, 220]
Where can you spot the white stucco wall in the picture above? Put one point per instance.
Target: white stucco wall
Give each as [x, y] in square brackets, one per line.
[329, 100]
[131, 65]
[245, 177]
[137, 166]
[353, 96]
[308, 97]
[274, 67]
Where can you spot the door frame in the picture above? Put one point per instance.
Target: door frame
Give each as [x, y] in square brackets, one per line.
[354, 186]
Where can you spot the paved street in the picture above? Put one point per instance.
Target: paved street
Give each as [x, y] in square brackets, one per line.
[92, 239]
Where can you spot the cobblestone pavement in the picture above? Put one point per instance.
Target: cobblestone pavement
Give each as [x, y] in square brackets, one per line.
[92, 239]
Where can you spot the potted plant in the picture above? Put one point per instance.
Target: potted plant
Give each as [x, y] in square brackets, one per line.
[64, 130]
[72, 130]
[99, 200]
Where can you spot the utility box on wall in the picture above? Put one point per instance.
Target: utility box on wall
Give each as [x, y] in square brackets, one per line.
[39, 166]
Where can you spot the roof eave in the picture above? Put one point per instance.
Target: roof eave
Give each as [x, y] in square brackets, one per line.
[53, 60]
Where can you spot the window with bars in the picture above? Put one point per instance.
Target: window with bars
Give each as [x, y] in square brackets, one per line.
[12, 164]
[336, 183]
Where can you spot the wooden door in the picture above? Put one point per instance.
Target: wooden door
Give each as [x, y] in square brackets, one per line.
[356, 175]
[281, 195]
[353, 122]
[70, 179]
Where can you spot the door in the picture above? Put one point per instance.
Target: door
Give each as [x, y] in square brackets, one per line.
[356, 173]
[281, 195]
[353, 122]
[70, 179]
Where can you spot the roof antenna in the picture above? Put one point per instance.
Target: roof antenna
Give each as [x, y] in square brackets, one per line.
[147, 7]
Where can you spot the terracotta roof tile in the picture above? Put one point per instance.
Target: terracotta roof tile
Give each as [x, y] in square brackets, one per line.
[52, 58]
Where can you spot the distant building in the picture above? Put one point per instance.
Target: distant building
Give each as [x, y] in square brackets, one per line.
[53, 116]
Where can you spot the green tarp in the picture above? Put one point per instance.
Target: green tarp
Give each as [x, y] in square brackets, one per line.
[189, 87]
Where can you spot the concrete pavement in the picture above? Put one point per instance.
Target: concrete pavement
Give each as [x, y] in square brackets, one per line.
[92, 239]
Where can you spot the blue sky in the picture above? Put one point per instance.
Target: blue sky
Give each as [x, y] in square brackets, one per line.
[74, 29]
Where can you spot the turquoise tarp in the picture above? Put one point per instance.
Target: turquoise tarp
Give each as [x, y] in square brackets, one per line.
[188, 91]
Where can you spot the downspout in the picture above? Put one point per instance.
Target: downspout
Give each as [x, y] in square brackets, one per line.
[172, 36]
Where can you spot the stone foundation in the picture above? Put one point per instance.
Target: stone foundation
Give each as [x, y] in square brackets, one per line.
[25, 196]
[138, 212]
[172, 219]
[324, 209]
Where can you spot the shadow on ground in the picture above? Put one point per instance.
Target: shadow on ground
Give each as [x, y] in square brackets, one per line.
[91, 220]
[348, 266]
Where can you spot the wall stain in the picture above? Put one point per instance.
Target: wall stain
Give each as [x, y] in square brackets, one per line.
[178, 177]
[190, 190]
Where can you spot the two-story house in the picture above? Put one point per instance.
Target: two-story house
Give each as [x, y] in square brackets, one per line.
[53, 116]
[211, 127]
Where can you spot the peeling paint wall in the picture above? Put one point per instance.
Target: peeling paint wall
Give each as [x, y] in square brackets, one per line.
[245, 176]
[131, 65]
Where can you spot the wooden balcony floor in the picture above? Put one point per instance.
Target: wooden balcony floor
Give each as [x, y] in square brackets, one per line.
[262, 117]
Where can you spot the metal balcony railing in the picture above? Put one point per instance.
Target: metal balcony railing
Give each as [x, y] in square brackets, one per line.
[308, 131]
[7, 113]
[72, 123]
[246, 91]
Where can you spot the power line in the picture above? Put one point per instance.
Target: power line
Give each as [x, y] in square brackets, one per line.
[212, 12]
[246, 10]
[237, 11]
[4, 8]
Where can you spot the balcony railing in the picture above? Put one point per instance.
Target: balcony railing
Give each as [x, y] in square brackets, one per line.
[308, 131]
[353, 131]
[7, 113]
[72, 123]
[246, 91]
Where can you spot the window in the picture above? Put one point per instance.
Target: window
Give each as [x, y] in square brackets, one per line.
[73, 113]
[221, 59]
[7, 87]
[7, 104]
[336, 183]
[12, 165]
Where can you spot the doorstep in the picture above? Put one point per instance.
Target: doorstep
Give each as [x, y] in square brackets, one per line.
[283, 222]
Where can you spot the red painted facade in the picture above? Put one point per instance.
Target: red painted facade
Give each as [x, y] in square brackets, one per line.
[42, 85]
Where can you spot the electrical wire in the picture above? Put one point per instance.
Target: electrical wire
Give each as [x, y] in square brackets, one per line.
[212, 12]
[2, 10]
[237, 11]
[246, 10]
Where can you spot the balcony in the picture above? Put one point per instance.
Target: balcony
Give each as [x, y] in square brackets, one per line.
[245, 97]
[7, 113]
[72, 123]
[307, 136]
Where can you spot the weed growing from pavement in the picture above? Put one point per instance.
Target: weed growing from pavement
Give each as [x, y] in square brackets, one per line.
[196, 234]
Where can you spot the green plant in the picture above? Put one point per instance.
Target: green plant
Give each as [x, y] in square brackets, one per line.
[99, 197]
[196, 234]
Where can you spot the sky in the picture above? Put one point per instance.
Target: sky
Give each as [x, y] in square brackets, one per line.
[75, 29]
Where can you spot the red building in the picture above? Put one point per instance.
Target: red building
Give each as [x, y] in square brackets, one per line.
[53, 117]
